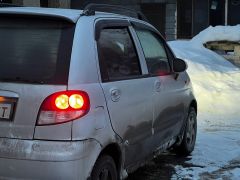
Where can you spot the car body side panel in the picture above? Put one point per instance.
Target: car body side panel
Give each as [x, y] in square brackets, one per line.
[83, 67]
[131, 116]
[170, 107]
[96, 124]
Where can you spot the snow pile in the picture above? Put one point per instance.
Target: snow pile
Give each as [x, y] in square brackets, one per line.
[216, 82]
[218, 33]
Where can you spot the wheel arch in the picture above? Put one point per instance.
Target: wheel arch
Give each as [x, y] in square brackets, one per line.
[115, 152]
[193, 104]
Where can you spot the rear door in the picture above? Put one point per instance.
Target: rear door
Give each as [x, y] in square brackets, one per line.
[169, 88]
[34, 63]
[128, 93]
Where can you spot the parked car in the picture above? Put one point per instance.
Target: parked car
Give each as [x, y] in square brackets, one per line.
[87, 94]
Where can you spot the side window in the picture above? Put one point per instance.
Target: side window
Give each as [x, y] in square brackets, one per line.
[117, 55]
[154, 51]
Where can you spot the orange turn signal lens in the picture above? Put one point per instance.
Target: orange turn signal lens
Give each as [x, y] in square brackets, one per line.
[61, 102]
[76, 101]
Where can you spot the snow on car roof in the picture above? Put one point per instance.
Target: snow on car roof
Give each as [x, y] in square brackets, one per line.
[67, 14]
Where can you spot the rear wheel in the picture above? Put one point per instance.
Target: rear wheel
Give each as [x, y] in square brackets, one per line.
[190, 134]
[104, 169]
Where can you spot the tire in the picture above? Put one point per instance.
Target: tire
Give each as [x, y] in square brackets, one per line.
[104, 169]
[190, 133]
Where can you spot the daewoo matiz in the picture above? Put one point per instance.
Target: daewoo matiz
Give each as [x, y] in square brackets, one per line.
[88, 94]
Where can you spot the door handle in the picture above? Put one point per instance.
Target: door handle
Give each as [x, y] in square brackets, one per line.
[157, 86]
[115, 94]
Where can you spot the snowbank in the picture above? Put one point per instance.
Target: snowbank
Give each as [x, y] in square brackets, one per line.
[217, 33]
[216, 82]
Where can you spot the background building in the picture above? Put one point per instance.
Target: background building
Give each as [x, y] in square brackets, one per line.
[174, 18]
[195, 15]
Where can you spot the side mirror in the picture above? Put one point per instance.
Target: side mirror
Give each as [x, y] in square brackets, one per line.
[179, 65]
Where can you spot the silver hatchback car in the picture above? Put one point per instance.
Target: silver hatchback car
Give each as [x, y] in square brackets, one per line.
[88, 95]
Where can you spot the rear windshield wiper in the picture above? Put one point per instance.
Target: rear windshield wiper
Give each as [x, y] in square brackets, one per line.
[21, 80]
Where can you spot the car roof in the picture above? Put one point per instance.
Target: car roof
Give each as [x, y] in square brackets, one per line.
[67, 14]
[71, 15]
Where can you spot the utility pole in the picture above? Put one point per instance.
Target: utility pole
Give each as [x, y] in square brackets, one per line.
[226, 12]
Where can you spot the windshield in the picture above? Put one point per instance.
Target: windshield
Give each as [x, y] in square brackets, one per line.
[35, 50]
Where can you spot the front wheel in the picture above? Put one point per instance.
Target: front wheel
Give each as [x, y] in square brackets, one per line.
[190, 134]
[104, 169]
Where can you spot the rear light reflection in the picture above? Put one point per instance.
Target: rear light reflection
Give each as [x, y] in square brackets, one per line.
[63, 107]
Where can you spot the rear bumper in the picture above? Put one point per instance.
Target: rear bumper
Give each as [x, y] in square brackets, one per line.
[33, 159]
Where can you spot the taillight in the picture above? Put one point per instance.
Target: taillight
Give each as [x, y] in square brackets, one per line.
[62, 107]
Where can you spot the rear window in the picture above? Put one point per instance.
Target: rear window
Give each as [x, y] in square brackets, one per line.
[35, 50]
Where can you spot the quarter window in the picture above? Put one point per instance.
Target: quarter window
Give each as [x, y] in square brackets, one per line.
[117, 55]
[154, 51]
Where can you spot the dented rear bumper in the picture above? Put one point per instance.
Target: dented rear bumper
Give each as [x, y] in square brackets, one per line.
[35, 159]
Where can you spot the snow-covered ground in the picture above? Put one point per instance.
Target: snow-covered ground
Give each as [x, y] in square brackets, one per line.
[216, 83]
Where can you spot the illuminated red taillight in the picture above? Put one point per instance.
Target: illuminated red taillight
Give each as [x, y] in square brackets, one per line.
[62, 107]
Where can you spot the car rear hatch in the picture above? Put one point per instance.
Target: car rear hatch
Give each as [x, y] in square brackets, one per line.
[35, 54]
